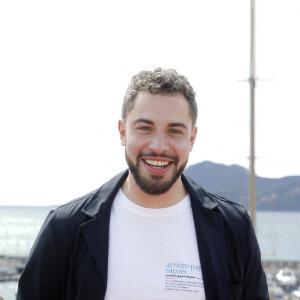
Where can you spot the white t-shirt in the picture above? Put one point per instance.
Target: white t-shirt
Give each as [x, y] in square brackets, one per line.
[153, 253]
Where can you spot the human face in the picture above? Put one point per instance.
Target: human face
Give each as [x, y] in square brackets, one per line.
[158, 136]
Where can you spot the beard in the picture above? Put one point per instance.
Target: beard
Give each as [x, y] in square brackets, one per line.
[155, 185]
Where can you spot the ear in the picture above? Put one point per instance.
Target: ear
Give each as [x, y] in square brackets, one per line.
[121, 126]
[193, 137]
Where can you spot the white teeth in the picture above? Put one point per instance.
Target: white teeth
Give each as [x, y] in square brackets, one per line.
[157, 163]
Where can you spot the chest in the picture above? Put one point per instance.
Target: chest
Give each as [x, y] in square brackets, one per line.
[153, 257]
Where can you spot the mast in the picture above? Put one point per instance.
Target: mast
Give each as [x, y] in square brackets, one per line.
[251, 81]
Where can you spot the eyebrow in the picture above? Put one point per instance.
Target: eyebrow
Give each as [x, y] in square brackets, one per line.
[177, 124]
[141, 120]
[174, 124]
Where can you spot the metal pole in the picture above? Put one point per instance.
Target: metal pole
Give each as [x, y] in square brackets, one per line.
[252, 118]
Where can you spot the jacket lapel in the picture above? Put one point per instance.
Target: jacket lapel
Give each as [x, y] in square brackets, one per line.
[211, 243]
[96, 230]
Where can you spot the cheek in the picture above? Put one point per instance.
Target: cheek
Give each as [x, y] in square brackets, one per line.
[183, 150]
[134, 144]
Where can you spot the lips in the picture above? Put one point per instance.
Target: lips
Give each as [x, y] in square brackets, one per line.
[157, 164]
[157, 167]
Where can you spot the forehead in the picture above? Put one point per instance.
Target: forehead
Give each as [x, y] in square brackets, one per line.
[161, 107]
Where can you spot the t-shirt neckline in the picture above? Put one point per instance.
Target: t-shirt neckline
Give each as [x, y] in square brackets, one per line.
[152, 212]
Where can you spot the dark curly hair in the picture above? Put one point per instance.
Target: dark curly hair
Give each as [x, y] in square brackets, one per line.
[160, 81]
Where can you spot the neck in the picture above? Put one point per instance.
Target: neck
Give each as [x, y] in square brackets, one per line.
[133, 192]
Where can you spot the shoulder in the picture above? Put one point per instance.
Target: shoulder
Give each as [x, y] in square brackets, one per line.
[61, 228]
[209, 199]
[71, 211]
[236, 220]
[228, 208]
[233, 214]
[232, 218]
[88, 206]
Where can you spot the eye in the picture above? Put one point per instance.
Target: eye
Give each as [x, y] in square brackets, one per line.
[175, 131]
[144, 128]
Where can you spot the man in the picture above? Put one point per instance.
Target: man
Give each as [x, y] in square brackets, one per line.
[150, 232]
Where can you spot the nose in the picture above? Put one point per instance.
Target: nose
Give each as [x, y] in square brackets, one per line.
[159, 143]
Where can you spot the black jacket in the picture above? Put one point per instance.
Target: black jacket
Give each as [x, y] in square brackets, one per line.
[69, 258]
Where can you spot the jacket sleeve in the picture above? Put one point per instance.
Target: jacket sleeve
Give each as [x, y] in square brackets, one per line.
[42, 276]
[254, 281]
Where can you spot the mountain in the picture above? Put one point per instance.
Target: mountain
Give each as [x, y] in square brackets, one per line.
[232, 182]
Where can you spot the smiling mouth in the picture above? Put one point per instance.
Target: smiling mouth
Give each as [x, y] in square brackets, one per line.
[157, 164]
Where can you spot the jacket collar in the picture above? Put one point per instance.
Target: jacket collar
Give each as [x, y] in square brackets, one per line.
[197, 192]
[210, 237]
[208, 225]
[102, 199]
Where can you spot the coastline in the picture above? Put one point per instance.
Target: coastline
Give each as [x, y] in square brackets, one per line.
[11, 267]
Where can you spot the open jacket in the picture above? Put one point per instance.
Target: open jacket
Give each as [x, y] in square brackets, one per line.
[69, 259]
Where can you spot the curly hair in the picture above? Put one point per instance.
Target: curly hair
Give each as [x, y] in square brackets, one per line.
[160, 81]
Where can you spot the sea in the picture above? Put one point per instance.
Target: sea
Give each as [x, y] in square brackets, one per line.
[277, 232]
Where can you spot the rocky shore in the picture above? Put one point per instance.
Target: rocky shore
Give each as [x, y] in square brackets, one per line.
[11, 267]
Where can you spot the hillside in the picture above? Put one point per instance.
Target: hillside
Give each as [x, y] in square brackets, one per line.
[232, 182]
